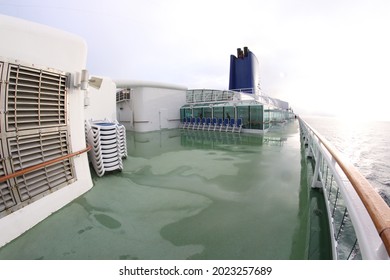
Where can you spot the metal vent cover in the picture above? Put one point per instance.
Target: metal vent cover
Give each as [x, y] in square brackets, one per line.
[34, 130]
[35, 98]
[31, 150]
[123, 95]
[7, 198]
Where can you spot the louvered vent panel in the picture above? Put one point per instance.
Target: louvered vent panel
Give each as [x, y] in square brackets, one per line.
[37, 182]
[35, 98]
[7, 198]
[31, 150]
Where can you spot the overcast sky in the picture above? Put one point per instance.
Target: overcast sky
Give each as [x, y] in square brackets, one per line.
[322, 56]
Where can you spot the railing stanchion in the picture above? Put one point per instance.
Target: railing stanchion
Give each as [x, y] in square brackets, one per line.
[316, 182]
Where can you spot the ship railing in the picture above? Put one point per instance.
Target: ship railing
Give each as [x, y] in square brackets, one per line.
[245, 90]
[208, 95]
[359, 219]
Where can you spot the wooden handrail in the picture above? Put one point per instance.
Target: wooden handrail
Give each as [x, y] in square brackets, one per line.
[376, 207]
[43, 164]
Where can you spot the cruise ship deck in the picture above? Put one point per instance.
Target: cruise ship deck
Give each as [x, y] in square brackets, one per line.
[187, 194]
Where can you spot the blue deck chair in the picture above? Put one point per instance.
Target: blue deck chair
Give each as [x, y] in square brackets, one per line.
[213, 123]
[185, 122]
[207, 124]
[218, 124]
[230, 125]
[225, 124]
[201, 123]
[189, 121]
[196, 124]
[191, 124]
[238, 125]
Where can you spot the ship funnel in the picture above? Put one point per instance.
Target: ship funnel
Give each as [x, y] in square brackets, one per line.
[240, 53]
[244, 72]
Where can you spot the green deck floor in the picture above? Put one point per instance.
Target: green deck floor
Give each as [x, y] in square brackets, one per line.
[187, 195]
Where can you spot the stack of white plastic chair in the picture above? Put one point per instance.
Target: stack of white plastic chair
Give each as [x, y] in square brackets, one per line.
[106, 154]
[121, 131]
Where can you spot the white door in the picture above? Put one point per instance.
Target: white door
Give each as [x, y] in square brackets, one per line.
[163, 117]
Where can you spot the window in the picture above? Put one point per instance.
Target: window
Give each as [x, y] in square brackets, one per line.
[256, 117]
[229, 112]
[198, 112]
[218, 112]
[207, 112]
[243, 113]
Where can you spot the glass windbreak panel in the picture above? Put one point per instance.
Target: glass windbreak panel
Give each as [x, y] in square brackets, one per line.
[272, 115]
[218, 112]
[207, 112]
[276, 115]
[207, 95]
[229, 112]
[267, 118]
[198, 95]
[198, 112]
[188, 113]
[266, 115]
[243, 113]
[256, 117]
[185, 113]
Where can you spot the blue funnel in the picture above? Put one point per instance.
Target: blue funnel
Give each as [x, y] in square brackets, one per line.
[244, 72]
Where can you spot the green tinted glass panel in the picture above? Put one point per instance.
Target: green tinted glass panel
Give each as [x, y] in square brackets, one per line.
[188, 112]
[229, 112]
[198, 112]
[218, 112]
[207, 112]
[185, 113]
[243, 113]
[256, 117]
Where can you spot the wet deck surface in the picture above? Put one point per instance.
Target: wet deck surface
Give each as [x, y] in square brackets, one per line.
[186, 195]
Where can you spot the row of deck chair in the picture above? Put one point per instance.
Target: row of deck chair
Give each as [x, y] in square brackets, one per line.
[212, 124]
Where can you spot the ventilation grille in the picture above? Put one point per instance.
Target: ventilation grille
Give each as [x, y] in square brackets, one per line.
[34, 130]
[7, 198]
[31, 150]
[123, 95]
[35, 98]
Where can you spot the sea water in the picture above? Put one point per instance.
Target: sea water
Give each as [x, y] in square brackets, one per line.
[365, 143]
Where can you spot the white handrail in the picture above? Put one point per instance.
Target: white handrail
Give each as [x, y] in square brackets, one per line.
[369, 214]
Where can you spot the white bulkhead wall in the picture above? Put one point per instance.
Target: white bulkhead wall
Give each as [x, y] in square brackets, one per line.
[152, 105]
[41, 45]
[157, 108]
[49, 49]
[102, 101]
